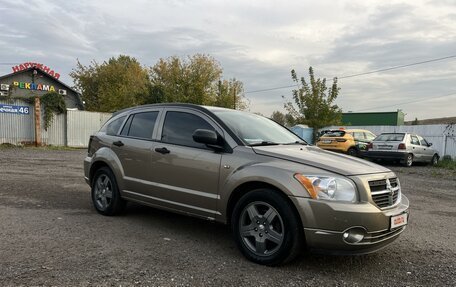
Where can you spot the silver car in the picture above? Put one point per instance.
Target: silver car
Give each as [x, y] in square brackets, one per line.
[404, 147]
[278, 193]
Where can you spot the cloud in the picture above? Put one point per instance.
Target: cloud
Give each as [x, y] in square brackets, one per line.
[257, 42]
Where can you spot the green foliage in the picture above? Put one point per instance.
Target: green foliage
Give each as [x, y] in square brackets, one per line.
[113, 85]
[284, 119]
[447, 163]
[196, 79]
[52, 103]
[314, 102]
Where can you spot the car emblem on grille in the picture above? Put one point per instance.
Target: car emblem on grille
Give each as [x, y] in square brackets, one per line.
[390, 193]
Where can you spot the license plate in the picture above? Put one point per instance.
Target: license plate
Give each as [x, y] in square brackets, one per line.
[327, 141]
[387, 147]
[398, 220]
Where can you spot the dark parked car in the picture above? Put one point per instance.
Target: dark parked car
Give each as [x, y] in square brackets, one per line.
[278, 194]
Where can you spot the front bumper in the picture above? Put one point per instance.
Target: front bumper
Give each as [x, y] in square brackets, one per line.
[326, 222]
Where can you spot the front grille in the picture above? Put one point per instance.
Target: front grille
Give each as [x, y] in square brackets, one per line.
[385, 192]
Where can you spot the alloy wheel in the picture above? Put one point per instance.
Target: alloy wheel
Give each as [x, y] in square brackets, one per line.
[261, 228]
[103, 192]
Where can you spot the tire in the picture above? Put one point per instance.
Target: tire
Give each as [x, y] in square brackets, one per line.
[435, 160]
[408, 161]
[352, 151]
[105, 193]
[266, 228]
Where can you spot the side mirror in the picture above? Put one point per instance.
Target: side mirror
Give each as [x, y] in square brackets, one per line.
[429, 144]
[205, 137]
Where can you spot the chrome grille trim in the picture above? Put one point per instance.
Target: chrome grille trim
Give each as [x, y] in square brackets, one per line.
[385, 193]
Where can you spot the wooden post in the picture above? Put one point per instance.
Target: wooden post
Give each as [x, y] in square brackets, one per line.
[37, 122]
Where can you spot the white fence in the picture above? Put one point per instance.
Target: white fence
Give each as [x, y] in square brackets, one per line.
[442, 137]
[71, 129]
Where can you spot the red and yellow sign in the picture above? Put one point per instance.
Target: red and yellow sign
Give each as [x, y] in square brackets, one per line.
[44, 68]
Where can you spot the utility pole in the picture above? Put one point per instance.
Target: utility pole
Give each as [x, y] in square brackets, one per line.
[234, 96]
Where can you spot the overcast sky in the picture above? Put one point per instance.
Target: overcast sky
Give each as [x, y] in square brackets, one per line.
[257, 42]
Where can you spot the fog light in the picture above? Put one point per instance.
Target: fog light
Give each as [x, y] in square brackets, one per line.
[354, 235]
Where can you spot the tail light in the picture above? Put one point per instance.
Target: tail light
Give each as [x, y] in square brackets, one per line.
[341, 140]
[402, 146]
[370, 146]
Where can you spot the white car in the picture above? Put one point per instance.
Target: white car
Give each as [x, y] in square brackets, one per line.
[404, 147]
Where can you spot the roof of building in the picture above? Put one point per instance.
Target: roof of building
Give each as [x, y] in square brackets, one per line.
[78, 94]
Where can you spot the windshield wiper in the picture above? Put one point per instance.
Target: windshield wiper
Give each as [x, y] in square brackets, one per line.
[297, 142]
[263, 143]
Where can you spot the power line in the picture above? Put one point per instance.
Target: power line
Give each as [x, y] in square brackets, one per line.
[408, 102]
[5, 64]
[361, 74]
[397, 67]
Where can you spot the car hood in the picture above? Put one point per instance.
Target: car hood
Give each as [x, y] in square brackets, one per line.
[319, 158]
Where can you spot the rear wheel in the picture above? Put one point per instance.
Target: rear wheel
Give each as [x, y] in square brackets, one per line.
[408, 161]
[352, 151]
[266, 228]
[435, 160]
[105, 193]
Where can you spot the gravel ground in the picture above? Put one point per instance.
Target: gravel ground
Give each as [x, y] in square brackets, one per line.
[51, 235]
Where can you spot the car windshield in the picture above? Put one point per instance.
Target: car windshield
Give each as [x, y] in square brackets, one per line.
[256, 130]
[390, 137]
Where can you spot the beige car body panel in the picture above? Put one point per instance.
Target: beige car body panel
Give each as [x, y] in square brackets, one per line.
[201, 182]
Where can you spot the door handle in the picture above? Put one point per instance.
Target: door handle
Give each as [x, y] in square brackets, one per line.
[162, 150]
[118, 143]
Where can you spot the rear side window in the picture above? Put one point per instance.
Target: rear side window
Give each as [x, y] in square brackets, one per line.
[390, 137]
[140, 125]
[179, 128]
[358, 135]
[113, 127]
[414, 140]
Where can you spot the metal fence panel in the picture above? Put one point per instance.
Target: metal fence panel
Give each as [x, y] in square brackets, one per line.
[82, 124]
[17, 128]
[56, 133]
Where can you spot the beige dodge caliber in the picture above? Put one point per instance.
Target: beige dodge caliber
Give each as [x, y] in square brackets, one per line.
[278, 193]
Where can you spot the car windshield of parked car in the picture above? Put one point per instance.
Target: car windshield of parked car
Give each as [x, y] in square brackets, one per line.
[390, 137]
[256, 130]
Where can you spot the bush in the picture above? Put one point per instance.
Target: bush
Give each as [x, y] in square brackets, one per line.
[447, 162]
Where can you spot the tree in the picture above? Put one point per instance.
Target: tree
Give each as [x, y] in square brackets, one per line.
[113, 85]
[278, 117]
[284, 119]
[230, 94]
[195, 79]
[314, 103]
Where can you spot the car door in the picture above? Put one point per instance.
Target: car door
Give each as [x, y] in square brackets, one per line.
[185, 173]
[133, 148]
[428, 152]
[417, 149]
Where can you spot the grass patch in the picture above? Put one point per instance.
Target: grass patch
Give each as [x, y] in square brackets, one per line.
[48, 147]
[447, 163]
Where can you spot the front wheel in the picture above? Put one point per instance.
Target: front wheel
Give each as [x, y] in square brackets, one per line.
[435, 160]
[105, 193]
[266, 228]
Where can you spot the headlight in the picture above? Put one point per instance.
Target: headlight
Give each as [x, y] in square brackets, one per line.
[328, 188]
